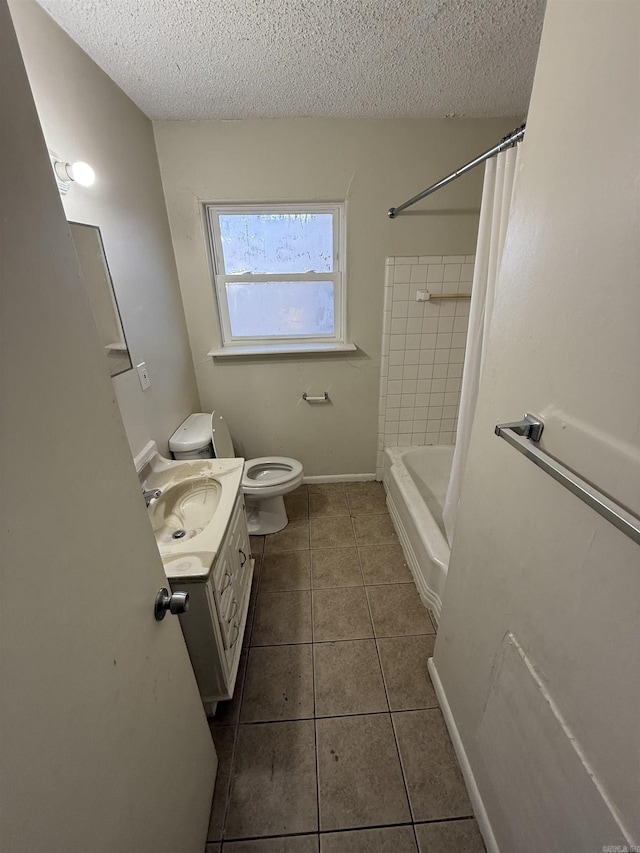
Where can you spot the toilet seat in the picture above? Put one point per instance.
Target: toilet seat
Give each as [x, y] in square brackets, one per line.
[271, 475]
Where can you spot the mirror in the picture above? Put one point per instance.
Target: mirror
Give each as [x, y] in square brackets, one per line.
[93, 263]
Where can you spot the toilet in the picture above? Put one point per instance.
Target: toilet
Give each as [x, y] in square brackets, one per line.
[265, 480]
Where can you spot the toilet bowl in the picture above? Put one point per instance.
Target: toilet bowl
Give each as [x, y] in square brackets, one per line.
[265, 479]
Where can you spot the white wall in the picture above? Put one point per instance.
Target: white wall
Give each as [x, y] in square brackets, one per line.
[539, 643]
[85, 116]
[373, 164]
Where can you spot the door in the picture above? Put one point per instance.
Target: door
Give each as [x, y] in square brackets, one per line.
[538, 649]
[105, 746]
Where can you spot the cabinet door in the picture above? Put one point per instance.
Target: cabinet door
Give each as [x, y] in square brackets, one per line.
[240, 554]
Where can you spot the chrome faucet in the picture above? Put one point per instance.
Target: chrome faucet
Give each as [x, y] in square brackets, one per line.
[150, 495]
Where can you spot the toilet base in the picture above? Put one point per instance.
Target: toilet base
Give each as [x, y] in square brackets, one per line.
[265, 515]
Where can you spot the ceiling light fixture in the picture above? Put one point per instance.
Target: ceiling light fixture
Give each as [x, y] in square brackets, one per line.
[68, 173]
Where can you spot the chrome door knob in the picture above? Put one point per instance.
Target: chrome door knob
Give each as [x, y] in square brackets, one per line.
[176, 603]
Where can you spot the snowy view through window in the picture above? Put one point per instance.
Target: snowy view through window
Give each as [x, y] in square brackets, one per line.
[278, 244]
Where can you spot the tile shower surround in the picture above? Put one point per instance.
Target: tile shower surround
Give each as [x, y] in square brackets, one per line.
[423, 346]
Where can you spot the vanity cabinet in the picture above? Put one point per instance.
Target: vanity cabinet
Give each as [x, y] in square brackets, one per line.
[214, 625]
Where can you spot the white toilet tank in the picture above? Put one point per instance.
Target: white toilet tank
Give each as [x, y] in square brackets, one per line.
[202, 436]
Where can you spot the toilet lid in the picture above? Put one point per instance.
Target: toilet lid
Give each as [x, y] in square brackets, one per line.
[221, 438]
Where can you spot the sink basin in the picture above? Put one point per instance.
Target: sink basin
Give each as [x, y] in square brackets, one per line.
[185, 509]
[190, 517]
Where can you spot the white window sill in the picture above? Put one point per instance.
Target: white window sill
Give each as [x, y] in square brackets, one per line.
[280, 349]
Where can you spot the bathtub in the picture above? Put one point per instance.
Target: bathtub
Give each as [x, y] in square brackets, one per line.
[416, 480]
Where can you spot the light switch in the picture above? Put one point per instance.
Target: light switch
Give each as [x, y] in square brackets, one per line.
[143, 375]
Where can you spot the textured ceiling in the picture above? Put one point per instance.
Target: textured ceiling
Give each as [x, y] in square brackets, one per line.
[206, 59]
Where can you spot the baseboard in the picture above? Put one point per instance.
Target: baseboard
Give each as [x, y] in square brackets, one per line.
[144, 456]
[474, 793]
[340, 478]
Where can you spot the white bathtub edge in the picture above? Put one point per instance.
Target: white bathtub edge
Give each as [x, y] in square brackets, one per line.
[480, 813]
[425, 548]
[429, 598]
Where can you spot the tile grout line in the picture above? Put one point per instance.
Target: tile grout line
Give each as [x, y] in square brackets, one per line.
[315, 719]
[393, 729]
[312, 834]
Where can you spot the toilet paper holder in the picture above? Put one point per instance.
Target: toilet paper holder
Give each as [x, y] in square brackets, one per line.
[323, 399]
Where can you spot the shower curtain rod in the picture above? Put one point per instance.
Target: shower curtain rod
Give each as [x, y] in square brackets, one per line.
[509, 140]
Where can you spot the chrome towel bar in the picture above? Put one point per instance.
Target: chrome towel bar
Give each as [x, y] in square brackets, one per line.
[323, 399]
[427, 296]
[523, 434]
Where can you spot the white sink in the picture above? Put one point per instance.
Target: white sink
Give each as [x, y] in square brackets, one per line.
[184, 510]
[190, 517]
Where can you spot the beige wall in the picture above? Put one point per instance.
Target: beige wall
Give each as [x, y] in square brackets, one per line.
[85, 116]
[373, 164]
[553, 737]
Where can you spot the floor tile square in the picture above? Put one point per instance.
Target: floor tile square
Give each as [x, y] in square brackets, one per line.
[294, 537]
[333, 567]
[284, 844]
[360, 780]
[455, 836]
[228, 712]
[388, 839]
[328, 504]
[404, 666]
[212, 848]
[223, 739]
[434, 781]
[282, 617]
[367, 502]
[246, 637]
[286, 570]
[384, 564]
[374, 530]
[326, 488]
[332, 532]
[297, 505]
[348, 678]
[368, 487]
[341, 614]
[274, 789]
[279, 684]
[397, 610]
[257, 545]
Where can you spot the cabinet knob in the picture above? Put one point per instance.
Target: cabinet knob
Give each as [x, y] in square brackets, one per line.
[176, 603]
[244, 557]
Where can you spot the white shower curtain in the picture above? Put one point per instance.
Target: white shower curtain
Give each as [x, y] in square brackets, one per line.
[494, 215]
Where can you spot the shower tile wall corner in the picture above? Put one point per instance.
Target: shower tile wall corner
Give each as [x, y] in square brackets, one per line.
[423, 346]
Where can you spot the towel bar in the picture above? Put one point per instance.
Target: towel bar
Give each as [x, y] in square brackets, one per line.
[522, 434]
[323, 399]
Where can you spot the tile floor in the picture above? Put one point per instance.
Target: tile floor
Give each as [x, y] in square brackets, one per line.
[334, 742]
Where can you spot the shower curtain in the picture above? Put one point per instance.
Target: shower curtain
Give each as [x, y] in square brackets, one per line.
[494, 215]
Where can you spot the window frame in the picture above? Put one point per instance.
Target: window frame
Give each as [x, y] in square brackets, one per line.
[212, 211]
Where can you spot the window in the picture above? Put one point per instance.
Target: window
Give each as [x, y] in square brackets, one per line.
[278, 271]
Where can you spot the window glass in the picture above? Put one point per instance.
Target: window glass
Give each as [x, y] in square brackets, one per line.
[272, 243]
[278, 273]
[280, 308]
